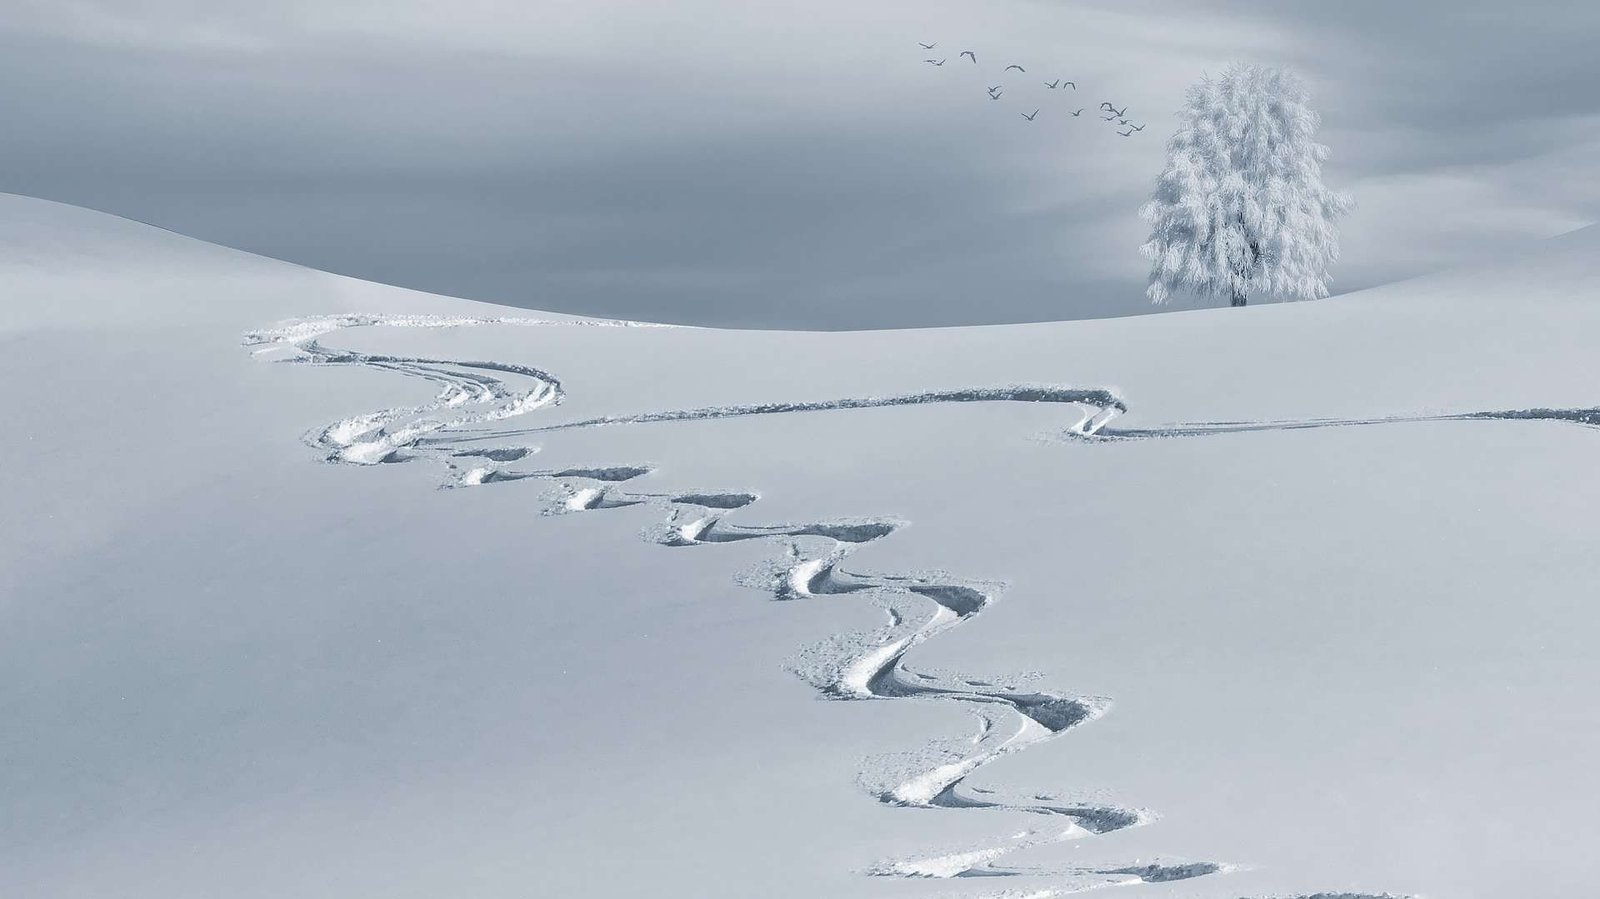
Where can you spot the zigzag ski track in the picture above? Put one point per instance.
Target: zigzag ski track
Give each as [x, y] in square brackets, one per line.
[462, 431]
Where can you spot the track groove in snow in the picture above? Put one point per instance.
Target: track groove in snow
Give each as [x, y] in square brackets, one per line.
[1589, 418]
[476, 395]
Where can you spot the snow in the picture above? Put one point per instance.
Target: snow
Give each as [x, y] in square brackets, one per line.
[1332, 562]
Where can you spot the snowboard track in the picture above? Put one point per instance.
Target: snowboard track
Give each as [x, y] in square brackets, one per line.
[460, 431]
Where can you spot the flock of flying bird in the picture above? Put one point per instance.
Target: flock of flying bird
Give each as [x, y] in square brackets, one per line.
[1108, 111]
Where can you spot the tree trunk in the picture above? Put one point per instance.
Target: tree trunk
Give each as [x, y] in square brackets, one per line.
[1248, 269]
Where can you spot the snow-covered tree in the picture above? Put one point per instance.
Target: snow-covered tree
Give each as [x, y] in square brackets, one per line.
[1241, 209]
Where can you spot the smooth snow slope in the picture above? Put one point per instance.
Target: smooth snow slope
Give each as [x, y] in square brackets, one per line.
[1304, 591]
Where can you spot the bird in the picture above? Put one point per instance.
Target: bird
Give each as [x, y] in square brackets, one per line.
[928, 46]
[934, 62]
[1053, 84]
[1136, 127]
[995, 88]
[1120, 112]
[1071, 84]
[1078, 113]
[1128, 133]
[971, 54]
[1107, 118]
[996, 96]
[1017, 67]
[1122, 121]
[1029, 117]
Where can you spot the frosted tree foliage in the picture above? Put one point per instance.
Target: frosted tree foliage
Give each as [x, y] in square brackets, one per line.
[1241, 209]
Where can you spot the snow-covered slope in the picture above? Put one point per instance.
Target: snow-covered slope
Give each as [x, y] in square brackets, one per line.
[1286, 601]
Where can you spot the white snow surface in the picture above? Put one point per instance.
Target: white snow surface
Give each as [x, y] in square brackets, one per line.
[721, 613]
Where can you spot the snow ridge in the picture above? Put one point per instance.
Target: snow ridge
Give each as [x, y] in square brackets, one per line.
[460, 427]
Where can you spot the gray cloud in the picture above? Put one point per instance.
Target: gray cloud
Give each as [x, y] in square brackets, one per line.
[765, 165]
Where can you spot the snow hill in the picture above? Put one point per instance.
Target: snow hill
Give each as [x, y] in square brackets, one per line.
[1289, 601]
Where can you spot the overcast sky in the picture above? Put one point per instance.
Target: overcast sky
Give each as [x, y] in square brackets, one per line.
[776, 163]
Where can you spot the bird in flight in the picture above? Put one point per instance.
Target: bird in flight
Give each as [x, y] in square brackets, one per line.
[1071, 84]
[928, 46]
[993, 89]
[1030, 117]
[994, 96]
[971, 54]
[1017, 67]
[1120, 112]
[1128, 133]
[1136, 127]
[1053, 84]
[1078, 113]
[934, 62]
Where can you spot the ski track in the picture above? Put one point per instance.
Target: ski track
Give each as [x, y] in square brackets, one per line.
[474, 396]
[1589, 418]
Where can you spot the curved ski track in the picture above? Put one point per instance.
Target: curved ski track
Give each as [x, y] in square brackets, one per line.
[458, 431]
